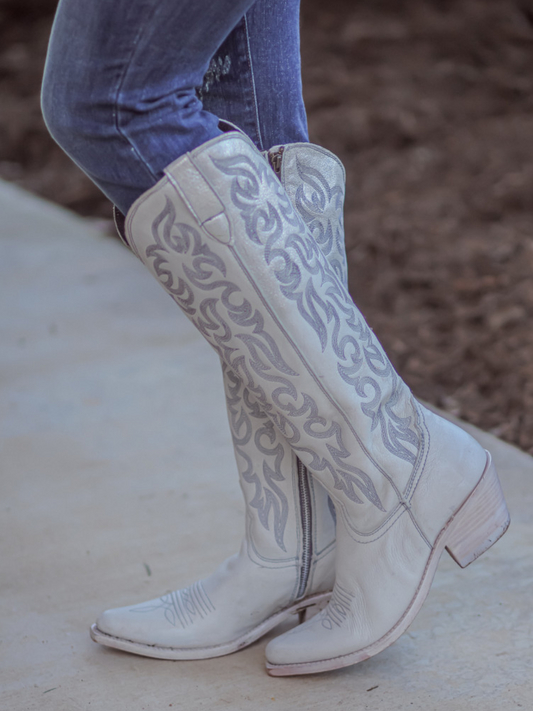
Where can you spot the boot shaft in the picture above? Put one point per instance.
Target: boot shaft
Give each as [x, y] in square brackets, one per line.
[287, 512]
[221, 235]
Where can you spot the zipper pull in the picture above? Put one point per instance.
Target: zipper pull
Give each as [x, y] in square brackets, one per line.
[275, 158]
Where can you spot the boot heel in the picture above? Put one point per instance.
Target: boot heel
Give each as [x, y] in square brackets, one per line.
[481, 520]
[310, 610]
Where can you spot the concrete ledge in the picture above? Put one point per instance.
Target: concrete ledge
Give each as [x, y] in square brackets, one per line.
[118, 479]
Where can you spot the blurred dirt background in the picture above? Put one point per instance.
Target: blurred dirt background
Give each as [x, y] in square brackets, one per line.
[429, 103]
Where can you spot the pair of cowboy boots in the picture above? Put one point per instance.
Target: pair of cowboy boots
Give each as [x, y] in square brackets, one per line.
[316, 410]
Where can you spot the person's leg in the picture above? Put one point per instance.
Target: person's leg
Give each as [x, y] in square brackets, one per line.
[254, 79]
[119, 90]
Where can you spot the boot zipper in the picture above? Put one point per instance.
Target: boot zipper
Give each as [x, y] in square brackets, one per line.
[304, 492]
[275, 158]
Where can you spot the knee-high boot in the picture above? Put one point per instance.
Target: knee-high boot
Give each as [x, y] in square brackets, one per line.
[286, 561]
[221, 235]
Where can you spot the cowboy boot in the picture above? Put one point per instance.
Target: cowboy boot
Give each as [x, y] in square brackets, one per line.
[221, 235]
[286, 561]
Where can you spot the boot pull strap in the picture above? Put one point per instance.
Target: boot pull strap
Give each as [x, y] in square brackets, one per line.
[201, 199]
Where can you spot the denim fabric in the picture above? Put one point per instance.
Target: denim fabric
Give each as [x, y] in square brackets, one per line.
[130, 85]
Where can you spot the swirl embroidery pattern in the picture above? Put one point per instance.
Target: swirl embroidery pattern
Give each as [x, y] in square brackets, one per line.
[227, 318]
[321, 207]
[264, 362]
[316, 202]
[269, 500]
[306, 277]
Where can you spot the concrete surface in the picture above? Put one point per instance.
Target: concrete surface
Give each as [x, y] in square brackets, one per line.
[117, 484]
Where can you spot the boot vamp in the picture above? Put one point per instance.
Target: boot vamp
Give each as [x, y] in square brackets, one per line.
[375, 587]
[236, 598]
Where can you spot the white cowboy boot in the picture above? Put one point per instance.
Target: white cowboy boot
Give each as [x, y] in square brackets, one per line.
[286, 561]
[221, 235]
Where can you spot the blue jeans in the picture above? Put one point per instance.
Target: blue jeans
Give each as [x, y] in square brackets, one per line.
[130, 85]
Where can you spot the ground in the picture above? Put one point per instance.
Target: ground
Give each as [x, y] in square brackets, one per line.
[428, 103]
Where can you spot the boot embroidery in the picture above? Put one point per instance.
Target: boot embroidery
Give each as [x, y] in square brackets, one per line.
[180, 291]
[171, 235]
[181, 607]
[206, 271]
[226, 318]
[313, 199]
[307, 278]
[268, 499]
[338, 609]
